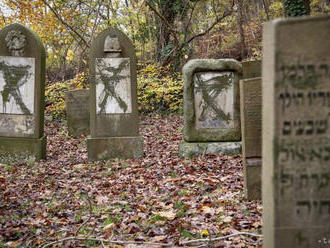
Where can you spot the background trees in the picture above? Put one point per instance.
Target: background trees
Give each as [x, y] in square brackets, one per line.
[165, 32]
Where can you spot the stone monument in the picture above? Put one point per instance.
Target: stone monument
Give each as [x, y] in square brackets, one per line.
[251, 69]
[250, 99]
[113, 98]
[77, 111]
[22, 87]
[211, 107]
[296, 139]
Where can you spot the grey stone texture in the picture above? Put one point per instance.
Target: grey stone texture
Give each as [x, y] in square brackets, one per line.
[296, 138]
[77, 111]
[251, 69]
[193, 149]
[115, 147]
[211, 100]
[250, 98]
[113, 110]
[22, 82]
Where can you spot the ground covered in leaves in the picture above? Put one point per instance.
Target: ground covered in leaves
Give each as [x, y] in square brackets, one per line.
[160, 198]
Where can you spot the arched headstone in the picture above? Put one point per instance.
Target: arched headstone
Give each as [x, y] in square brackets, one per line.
[114, 116]
[22, 88]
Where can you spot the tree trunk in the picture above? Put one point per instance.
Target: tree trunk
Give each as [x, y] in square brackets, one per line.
[241, 29]
[164, 34]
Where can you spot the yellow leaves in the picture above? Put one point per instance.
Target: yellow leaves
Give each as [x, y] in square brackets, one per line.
[204, 234]
[159, 89]
[69, 55]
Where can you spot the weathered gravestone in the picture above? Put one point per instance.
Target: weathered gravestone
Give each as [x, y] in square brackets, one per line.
[22, 79]
[251, 69]
[296, 138]
[211, 107]
[250, 99]
[114, 117]
[77, 111]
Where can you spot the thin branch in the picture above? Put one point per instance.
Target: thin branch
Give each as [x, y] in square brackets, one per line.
[150, 243]
[218, 19]
[89, 217]
[105, 241]
[65, 23]
[221, 238]
[191, 14]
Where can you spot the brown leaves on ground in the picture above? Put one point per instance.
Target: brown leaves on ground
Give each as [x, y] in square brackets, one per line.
[158, 198]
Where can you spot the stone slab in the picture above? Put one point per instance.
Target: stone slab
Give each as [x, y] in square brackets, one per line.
[22, 82]
[14, 149]
[252, 178]
[77, 111]
[296, 137]
[193, 149]
[211, 100]
[113, 86]
[119, 116]
[16, 85]
[114, 147]
[250, 90]
[206, 82]
[251, 69]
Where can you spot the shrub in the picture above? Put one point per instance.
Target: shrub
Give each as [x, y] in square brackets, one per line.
[55, 94]
[159, 90]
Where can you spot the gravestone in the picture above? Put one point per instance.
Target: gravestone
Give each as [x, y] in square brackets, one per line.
[296, 138]
[77, 111]
[113, 98]
[211, 107]
[22, 80]
[251, 69]
[250, 98]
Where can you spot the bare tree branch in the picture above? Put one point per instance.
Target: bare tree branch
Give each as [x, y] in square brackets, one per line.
[218, 20]
[65, 23]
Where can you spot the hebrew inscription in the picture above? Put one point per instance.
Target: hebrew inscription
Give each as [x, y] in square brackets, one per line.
[214, 99]
[17, 85]
[113, 89]
[303, 144]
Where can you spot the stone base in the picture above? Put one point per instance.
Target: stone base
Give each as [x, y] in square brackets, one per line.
[252, 178]
[22, 149]
[193, 149]
[114, 147]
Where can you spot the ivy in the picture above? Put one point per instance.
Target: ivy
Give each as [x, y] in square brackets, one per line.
[296, 8]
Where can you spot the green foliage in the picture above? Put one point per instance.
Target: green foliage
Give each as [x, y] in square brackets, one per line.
[276, 9]
[55, 94]
[159, 90]
[294, 8]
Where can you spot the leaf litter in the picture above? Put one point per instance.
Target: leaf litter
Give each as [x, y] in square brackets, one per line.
[159, 198]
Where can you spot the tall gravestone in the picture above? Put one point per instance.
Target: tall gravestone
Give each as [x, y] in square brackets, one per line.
[296, 138]
[77, 111]
[22, 80]
[250, 99]
[113, 98]
[251, 69]
[211, 107]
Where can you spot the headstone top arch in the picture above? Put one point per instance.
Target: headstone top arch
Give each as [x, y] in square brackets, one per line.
[113, 97]
[22, 86]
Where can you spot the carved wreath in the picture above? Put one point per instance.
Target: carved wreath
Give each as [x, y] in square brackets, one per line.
[15, 41]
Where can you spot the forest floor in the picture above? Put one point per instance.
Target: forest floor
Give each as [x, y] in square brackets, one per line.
[160, 198]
